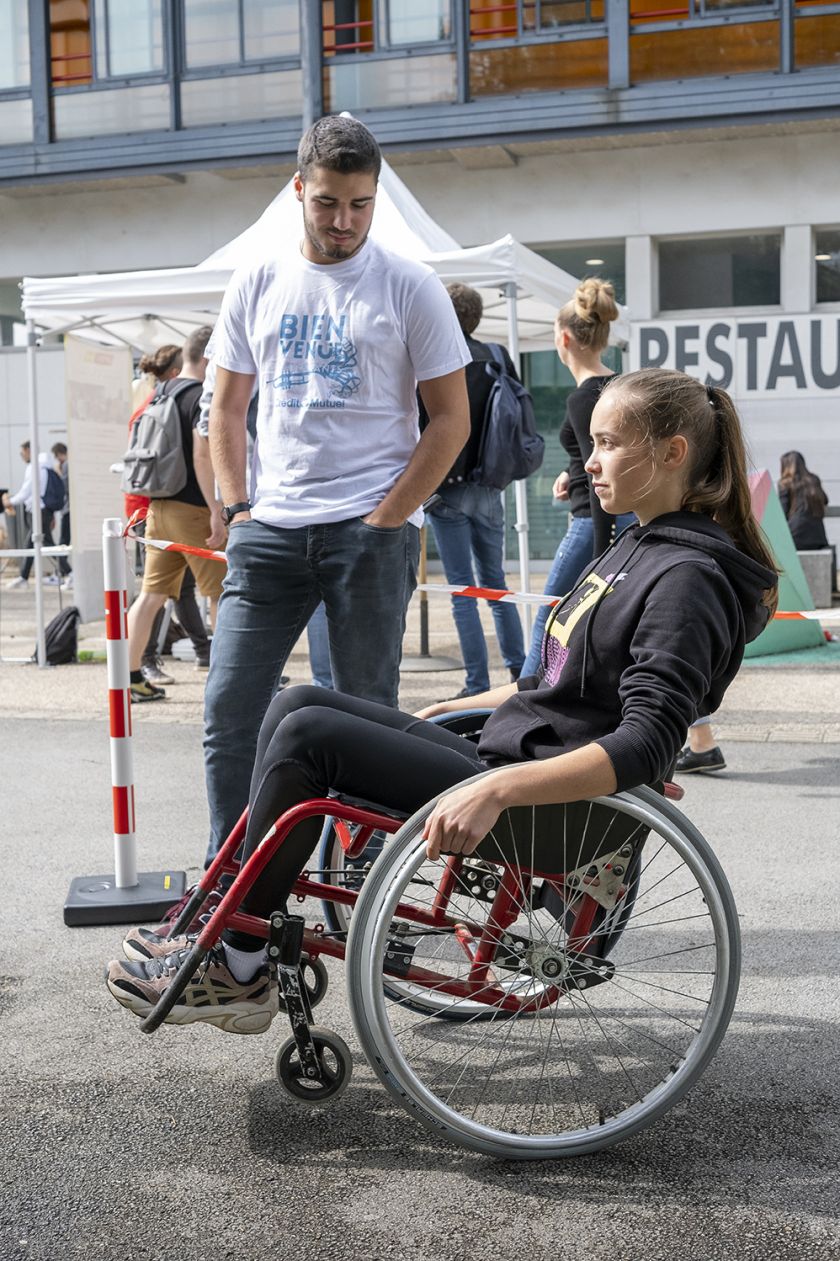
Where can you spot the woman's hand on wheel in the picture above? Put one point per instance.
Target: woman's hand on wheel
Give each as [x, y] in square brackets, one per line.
[461, 820]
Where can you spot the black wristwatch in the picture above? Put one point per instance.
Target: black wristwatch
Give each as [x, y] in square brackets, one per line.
[229, 511]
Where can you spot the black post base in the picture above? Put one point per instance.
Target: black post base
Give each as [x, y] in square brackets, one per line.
[97, 900]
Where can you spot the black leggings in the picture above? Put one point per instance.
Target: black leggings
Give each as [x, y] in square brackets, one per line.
[312, 740]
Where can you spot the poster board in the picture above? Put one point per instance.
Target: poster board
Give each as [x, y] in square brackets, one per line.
[98, 401]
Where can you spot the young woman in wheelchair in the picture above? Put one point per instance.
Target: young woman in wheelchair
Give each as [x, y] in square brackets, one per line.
[650, 637]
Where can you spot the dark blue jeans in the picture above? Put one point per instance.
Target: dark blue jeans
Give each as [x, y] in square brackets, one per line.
[469, 526]
[275, 580]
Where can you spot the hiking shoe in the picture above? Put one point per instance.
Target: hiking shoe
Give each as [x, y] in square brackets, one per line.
[146, 691]
[18, 584]
[143, 944]
[212, 996]
[703, 763]
[155, 943]
[208, 906]
[153, 673]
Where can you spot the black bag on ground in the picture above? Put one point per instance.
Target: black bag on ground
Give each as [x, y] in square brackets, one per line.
[61, 637]
[510, 446]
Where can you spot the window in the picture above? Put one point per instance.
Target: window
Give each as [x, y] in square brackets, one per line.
[95, 40]
[410, 23]
[828, 265]
[377, 53]
[129, 38]
[226, 32]
[724, 271]
[590, 259]
[14, 45]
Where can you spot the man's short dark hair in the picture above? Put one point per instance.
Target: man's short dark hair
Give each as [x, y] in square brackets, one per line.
[24, 446]
[468, 306]
[343, 145]
[196, 344]
[58, 448]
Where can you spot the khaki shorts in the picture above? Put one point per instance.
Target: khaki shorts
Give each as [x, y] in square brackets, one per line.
[180, 523]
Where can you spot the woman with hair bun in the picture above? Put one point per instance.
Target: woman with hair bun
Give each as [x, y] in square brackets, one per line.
[581, 335]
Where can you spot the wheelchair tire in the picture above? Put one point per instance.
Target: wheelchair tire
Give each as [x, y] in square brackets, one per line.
[336, 1065]
[620, 1044]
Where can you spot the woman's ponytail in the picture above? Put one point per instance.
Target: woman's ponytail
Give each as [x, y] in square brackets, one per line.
[722, 489]
[663, 403]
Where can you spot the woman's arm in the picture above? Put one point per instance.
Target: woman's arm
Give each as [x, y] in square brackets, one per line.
[461, 819]
[484, 700]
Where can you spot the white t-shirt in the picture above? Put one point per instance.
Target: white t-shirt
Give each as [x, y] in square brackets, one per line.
[337, 350]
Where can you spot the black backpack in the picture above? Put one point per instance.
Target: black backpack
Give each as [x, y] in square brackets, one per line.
[155, 464]
[61, 638]
[53, 492]
[510, 447]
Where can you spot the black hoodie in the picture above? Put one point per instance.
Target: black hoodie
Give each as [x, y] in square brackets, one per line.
[647, 641]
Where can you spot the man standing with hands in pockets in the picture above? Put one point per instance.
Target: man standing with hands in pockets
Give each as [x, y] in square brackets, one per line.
[338, 332]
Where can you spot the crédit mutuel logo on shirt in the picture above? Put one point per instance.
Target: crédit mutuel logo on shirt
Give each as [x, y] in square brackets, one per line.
[316, 348]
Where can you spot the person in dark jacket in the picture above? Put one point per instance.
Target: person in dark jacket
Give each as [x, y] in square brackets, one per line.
[648, 640]
[581, 335]
[468, 520]
[803, 502]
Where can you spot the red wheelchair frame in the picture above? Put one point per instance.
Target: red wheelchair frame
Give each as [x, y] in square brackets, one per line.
[479, 943]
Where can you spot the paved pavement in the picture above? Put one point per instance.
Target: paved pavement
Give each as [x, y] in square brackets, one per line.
[124, 1147]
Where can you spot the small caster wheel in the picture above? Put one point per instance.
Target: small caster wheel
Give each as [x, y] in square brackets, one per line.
[315, 979]
[335, 1061]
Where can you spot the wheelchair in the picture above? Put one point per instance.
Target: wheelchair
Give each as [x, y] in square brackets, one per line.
[549, 995]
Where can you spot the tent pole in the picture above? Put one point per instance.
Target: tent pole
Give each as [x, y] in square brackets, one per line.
[519, 488]
[35, 482]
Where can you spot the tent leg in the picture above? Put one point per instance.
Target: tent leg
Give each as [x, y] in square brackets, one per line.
[35, 474]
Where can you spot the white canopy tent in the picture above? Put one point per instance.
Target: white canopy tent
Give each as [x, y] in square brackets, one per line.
[521, 291]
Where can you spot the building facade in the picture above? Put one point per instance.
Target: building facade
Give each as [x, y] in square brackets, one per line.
[688, 152]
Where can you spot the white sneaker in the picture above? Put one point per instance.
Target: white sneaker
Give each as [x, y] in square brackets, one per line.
[18, 584]
[52, 581]
[67, 585]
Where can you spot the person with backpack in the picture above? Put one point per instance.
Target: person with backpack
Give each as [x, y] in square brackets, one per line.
[51, 489]
[581, 335]
[64, 577]
[467, 514]
[182, 503]
[164, 365]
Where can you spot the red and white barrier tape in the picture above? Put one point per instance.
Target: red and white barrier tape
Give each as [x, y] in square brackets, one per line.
[439, 588]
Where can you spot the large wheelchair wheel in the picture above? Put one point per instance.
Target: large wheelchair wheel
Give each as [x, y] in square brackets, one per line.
[595, 1024]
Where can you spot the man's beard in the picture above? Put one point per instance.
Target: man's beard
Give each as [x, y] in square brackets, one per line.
[329, 249]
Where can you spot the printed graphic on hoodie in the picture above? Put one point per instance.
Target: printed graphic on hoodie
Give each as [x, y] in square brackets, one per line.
[316, 346]
[561, 627]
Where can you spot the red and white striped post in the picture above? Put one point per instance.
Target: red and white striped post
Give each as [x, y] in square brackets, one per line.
[127, 896]
[119, 703]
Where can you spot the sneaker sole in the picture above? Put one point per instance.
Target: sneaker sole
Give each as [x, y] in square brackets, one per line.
[232, 1019]
[701, 770]
[143, 700]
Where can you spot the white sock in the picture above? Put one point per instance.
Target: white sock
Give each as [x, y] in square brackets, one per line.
[243, 964]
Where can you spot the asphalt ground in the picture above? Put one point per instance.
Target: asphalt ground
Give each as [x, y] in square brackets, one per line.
[182, 1146]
